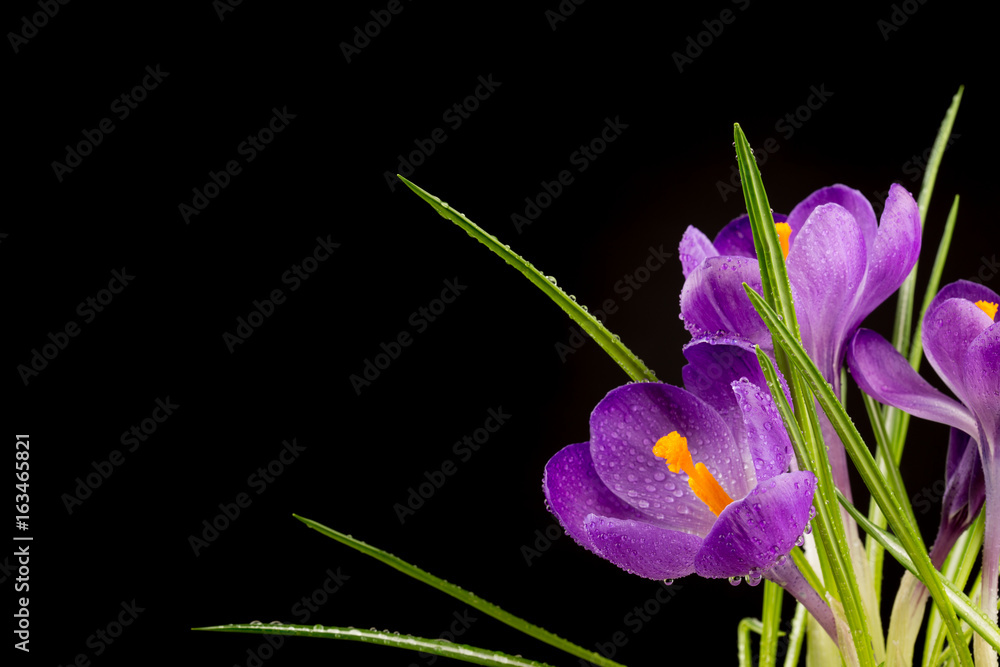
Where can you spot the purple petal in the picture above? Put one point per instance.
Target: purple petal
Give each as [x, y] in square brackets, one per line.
[964, 289]
[895, 251]
[717, 362]
[736, 238]
[849, 198]
[766, 435]
[642, 548]
[623, 429]
[947, 334]
[826, 266]
[965, 489]
[694, 249]
[982, 384]
[756, 531]
[886, 376]
[573, 490]
[713, 300]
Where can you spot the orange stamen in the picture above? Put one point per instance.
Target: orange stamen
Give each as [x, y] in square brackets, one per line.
[673, 448]
[784, 233]
[989, 308]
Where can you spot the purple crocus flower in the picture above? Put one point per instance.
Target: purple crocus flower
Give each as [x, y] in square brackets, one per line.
[666, 488]
[961, 338]
[841, 265]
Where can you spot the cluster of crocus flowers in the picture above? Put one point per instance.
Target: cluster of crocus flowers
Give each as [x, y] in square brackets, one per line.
[701, 480]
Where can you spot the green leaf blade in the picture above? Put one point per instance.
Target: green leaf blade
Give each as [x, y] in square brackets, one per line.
[475, 655]
[461, 595]
[610, 343]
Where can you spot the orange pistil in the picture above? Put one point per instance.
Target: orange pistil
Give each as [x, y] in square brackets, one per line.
[784, 232]
[989, 308]
[673, 447]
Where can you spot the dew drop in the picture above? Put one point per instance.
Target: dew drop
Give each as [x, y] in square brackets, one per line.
[735, 581]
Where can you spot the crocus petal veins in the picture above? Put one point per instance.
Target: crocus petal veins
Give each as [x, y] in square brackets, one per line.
[673, 448]
[784, 234]
[988, 308]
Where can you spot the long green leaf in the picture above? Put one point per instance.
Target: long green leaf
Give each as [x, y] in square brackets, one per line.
[609, 342]
[904, 303]
[774, 279]
[865, 464]
[477, 656]
[969, 612]
[778, 293]
[461, 595]
[829, 527]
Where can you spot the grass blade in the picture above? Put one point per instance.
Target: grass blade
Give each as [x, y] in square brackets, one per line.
[904, 304]
[461, 595]
[610, 343]
[477, 656]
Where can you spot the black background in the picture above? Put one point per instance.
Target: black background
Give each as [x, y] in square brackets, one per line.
[494, 347]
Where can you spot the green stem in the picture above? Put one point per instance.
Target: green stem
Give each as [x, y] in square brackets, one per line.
[771, 619]
[461, 595]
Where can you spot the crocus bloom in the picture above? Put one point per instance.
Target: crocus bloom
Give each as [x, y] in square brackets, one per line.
[961, 338]
[841, 265]
[664, 488]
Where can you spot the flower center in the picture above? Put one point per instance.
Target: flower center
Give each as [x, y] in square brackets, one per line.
[674, 448]
[784, 233]
[988, 308]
